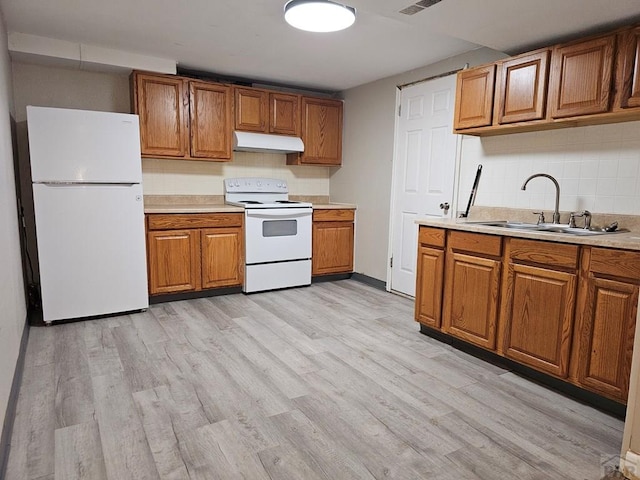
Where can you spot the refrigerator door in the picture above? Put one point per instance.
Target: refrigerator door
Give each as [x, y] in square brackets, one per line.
[83, 146]
[91, 249]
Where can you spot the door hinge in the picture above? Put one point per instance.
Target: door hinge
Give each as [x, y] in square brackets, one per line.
[399, 110]
[391, 262]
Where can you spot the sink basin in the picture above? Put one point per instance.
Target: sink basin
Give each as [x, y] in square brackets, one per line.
[548, 227]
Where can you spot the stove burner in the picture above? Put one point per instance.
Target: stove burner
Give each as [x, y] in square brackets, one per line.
[286, 201]
[251, 202]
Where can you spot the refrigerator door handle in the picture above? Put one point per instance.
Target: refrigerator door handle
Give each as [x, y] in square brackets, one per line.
[86, 184]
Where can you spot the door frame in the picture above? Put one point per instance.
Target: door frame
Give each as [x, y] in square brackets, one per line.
[394, 172]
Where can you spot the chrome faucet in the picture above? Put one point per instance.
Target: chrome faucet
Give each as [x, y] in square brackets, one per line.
[556, 212]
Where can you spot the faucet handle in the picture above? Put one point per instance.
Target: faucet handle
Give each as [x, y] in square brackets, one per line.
[540, 217]
[587, 219]
[572, 218]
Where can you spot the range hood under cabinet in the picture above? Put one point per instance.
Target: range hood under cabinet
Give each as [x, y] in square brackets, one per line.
[262, 142]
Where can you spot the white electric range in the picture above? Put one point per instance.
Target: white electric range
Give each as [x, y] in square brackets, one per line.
[277, 233]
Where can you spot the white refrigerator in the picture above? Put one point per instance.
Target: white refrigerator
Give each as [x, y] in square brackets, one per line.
[86, 173]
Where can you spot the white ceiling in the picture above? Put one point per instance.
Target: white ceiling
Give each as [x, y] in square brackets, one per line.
[249, 38]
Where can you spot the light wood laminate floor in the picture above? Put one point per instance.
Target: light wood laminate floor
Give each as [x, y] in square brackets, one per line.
[331, 381]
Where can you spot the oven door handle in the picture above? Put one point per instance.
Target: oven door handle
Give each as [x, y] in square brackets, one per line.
[276, 215]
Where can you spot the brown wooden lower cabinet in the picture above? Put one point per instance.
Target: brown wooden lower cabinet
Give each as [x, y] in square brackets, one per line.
[538, 304]
[472, 287]
[606, 322]
[565, 310]
[183, 259]
[222, 259]
[430, 276]
[173, 261]
[333, 231]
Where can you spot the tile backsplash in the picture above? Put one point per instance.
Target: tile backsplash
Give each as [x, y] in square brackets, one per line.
[597, 167]
[186, 177]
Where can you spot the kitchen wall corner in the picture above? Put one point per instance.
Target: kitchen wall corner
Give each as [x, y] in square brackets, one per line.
[368, 148]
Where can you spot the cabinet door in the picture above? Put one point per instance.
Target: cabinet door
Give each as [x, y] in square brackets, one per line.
[429, 285]
[174, 261]
[474, 97]
[321, 133]
[522, 88]
[210, 120]
[284, 114]
[161, 103]
[580, 78]
[222, 257]
[628, 73]
[332, 248]
[471, 308]
[607, 327]
[252, 109]
[539, 317]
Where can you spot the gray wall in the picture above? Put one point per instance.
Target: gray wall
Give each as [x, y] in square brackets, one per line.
[12, 300]
[365, 177]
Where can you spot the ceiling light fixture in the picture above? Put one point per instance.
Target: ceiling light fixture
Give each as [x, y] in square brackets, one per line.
[319, 15]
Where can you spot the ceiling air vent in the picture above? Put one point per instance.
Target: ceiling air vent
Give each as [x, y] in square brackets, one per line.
[427, 3]
[418, 7]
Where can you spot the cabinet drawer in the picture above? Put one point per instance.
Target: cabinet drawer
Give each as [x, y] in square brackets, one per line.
[334, 215]
[194, 220]
[434, 237]
[475, 243]
[617, 263]
[544, 253]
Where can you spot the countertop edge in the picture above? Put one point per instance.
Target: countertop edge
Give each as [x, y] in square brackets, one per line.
[217, 208]
[623, 241]
[224, 208]
[334, 206]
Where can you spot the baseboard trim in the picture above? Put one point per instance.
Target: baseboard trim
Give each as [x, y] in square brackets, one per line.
[331, 277]
[601, 403]
[172, 297]
[10, 414]
[372, 282]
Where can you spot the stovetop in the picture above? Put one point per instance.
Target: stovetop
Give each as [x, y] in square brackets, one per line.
[268, 204]
[255, 192]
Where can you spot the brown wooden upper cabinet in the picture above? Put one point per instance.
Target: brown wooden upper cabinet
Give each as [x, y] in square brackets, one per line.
[521, 89]
[182, 118]
[474, 97]
[252, 109]
[264, 111]
[589, 81]
[582, 77]
[321, 133]
[628, 69]
[160, 100]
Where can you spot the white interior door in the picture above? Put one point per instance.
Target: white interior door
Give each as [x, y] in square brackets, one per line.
[424, 170]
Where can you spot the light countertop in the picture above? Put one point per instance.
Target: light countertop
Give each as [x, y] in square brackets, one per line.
[626, 241]
[215, 204]
[334, 206]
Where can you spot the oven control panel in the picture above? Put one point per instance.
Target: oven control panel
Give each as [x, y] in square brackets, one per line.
[255, 185]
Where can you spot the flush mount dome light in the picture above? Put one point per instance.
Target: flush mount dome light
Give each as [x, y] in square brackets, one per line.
[319, 15]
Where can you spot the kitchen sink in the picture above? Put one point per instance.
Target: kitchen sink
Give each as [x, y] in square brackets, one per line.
[549, 227]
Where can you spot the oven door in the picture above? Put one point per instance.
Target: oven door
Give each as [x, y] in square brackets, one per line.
[277, 234]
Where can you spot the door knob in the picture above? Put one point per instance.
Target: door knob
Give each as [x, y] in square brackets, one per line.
[445, 206]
